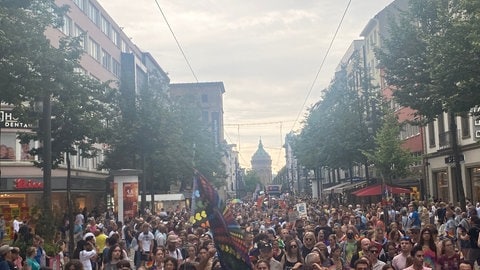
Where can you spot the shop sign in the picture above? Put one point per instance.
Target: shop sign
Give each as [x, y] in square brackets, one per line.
[451, 159]
[7, 120]
[22, 183]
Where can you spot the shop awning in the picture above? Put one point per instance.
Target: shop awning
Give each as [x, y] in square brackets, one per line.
[378, 190]
[353, 185]
[332, 189]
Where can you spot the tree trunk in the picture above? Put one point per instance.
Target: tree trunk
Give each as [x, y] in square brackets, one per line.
[71, 220]
[457, 170]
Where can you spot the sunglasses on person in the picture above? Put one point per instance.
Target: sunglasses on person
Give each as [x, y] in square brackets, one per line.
[405, 238]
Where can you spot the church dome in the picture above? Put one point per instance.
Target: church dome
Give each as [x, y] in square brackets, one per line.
[261, 154]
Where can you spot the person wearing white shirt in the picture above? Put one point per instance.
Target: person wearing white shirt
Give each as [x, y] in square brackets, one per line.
[145, 243]
[86, 255]
[16, 227]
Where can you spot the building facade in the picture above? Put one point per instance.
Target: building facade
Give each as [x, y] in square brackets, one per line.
[209, 97]
[262, 165]
[109, 55]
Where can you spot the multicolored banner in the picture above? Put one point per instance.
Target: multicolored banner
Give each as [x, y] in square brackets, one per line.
[227, 234]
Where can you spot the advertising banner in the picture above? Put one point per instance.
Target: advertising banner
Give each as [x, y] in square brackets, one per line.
[130, 199]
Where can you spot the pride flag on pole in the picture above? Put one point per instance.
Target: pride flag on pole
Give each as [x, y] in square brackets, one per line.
[227, 234]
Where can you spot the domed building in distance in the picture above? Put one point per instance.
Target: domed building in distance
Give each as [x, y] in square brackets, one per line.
[262, 165]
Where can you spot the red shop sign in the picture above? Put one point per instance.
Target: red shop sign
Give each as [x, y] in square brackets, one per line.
[21, 183]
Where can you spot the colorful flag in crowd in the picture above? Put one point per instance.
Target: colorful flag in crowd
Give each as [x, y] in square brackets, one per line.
[227, 234]
[198, 209]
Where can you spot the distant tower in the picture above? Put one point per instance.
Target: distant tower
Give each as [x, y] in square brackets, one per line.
[262, 165]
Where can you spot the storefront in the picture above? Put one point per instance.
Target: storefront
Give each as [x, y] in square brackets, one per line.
[22, 196]
[473, 175]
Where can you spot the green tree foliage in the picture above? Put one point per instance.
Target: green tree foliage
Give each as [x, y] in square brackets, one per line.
[431, 61]
[431, 57]
[32, 70]
[335, 131]
[164, 138]
[197, 143]
[251, 180]
[390, 159]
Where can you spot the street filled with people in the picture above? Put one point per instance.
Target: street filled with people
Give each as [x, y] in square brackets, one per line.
[406, 234]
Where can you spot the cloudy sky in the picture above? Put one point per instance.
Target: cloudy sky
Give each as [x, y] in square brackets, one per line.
[266, 52]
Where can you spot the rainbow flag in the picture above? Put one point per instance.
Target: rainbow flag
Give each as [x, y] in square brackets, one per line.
[227, 234]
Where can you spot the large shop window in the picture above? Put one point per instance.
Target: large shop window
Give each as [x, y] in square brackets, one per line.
[8, 147]
[475, 174]
[11, 150]
[441, 179]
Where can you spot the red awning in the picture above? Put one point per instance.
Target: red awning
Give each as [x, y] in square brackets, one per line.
[378, 190]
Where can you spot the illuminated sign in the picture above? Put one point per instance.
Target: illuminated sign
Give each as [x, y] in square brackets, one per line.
[21, 183]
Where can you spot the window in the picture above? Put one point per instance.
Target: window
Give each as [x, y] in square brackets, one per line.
[67, 26]
[409, 130]
[105, 26]
[93, 13]
[94, 49]
[80, 4]
[116, 68]
[106, 60]
[124, 47]
[204, 98]
[465, 120]
[443, 136]
[205, 116]
[80, 70]
[8, 146]
[78, 32]
[115, 37]
[431, 135]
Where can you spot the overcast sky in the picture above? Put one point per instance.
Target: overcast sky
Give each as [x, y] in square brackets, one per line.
[266, 52]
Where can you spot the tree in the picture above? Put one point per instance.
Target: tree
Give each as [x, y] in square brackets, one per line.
[251, 180]
[390, 159]
[164, 138]
[431, 62]
[32, 71]
[335, 131]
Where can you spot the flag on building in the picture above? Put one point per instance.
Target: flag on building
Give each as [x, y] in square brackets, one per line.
[227, 234]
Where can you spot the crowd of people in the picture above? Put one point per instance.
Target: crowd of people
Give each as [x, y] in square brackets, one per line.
[376, 236]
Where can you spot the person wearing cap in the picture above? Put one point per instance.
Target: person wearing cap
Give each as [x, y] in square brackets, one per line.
[5, 257]
[172, 248]
[266, 253]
